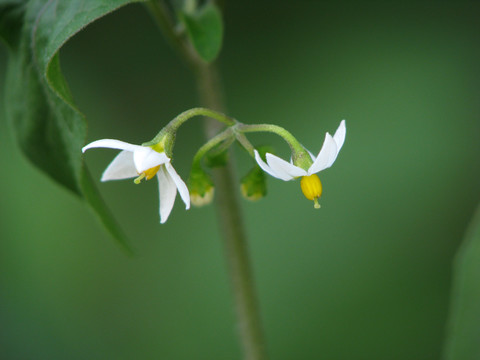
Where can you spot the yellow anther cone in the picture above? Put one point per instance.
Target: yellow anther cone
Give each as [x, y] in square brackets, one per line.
[311, 188]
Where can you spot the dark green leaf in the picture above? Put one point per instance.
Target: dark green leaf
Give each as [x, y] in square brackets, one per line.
[49, 128]
[205, 30]
[11, 15]
[463, 340]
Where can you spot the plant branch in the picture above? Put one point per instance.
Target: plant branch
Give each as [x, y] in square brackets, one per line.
[227, 202]
[210, 144]
[295, 146]
[247, 145]
[233, 230]
[188, 114]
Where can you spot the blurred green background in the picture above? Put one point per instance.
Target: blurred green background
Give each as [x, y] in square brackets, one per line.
[366, 277]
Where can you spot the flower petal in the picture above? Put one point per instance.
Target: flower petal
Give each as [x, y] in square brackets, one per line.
[168, 192]
[284, 168]
[325, 156]
[146, 158]
[180, 184]
[339, 139]
[111, 144]
[122, 167]
[311, 155]
[339, 136]
[264, 165]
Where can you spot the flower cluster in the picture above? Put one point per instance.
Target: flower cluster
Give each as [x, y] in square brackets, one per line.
[150, 159]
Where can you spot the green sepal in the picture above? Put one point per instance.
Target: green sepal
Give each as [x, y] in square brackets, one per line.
[204, 28]
[302, 159]
[162, 142]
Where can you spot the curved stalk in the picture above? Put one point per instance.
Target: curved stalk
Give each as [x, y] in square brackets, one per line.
[188, 114]
[295, 146]
[210, 144]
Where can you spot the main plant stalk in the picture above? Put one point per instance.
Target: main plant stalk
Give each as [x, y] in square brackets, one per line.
[227, 202]
[232, 227]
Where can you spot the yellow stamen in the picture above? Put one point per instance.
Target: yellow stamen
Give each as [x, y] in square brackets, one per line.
[150, 173]
[312, 188]
[147, 174]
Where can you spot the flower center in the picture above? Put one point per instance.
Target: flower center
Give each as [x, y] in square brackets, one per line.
[147, 174]
[312, 188]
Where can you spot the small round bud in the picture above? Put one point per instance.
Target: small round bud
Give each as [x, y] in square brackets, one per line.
[200, 200]
[253, 185]
[201, 187]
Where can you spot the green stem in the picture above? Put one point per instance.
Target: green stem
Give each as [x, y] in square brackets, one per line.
[166, 136]
[295, 146]
[210, 144]
[158, 10]
[233, 231]
[247, 145]
[227, 202]
[188, 114]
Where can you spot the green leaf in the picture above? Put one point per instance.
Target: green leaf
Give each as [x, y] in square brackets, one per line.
[50, 130]
[205, 30]
[11, 14]
[463, 336]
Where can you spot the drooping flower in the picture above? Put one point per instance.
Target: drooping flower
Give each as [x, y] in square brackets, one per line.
[310, 183]
[136, 161]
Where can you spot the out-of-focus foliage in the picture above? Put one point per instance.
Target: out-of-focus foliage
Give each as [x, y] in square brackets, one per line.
[205, 30]
[48, 126]
[367, 276]
[464, 330]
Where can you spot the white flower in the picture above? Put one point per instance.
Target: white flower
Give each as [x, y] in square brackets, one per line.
[311, 186]
[144, 162]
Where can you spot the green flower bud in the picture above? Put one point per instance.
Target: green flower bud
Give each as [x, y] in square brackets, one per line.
[216, 158]
[201, 187]
[253, 185]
